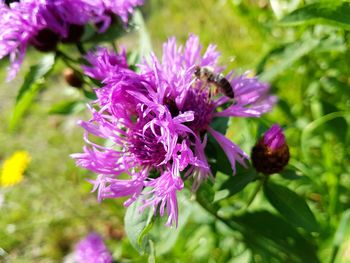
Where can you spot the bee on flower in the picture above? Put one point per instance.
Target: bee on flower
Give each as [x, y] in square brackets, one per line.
[158, 121]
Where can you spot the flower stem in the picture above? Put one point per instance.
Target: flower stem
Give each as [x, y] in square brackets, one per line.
[114, 46]
[81, 49]
[65, 56]
[213, 211]
[334, 254]
[256, 191]
[67, 60]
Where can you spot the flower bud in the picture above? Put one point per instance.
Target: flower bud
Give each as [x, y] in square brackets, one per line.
[75, 32]
[73, 78]
[271, 153]
[45, 40]
[8, 2]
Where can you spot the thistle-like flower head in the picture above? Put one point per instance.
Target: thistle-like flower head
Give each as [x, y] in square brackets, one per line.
[44, 23]
[156, 123]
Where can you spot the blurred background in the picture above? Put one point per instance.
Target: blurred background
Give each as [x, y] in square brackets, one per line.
[308, 66]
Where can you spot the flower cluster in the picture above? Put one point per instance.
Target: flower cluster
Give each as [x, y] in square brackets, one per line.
[45, 23]
[156, 123]
[92, 250]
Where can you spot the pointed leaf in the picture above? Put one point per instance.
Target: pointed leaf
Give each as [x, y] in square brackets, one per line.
[288, 56]
[270, 236]
[67, 107]
[164, 237]
[33, 83]
[141, 228]
[291, 206]
[341, 235]
[137, 224]
[144, 37]
[327, 12]
[237, 183]
[35, 73]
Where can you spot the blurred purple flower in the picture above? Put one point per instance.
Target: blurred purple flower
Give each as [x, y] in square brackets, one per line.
[156, 124]
[43, 23]
[121, 8]
[92, 250]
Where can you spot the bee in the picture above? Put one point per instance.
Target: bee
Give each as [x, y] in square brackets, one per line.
[218, 80]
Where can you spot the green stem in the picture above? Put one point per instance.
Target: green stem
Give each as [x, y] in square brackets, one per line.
[81, 49]
[211, 210]
[256, 191]
[114, 46]
[334, 254]
[64, 56]
[68, 60]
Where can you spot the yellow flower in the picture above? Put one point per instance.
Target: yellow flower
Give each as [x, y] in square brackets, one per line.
[13, 168]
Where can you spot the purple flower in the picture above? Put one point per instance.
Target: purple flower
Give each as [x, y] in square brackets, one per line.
[271, 153]
[121, 8]
[44, 23]
[104, 63]
[92, 250]
[156, 123]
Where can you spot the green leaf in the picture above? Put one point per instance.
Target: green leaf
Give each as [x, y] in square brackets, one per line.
[152, 254]
[206, 191]
[141, 228]
[282, 7]
[286, 108]
[238, 182]
[270, 236]
[287, 56]
[291, 206]
[331, 12]
[36, 72]
[67, 107]
[343, 228]
[290, 174]
[273, 52]
[311, 127]
[341, 233]
[32, 85]
[220, 124]
[136, 222]
[165, 237]
[90, 95]
[145, 45]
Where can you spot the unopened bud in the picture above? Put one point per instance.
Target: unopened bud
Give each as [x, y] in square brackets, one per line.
[8, 2]
[45, 40]
[75, 32]
[271, 153]
[73, 78]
